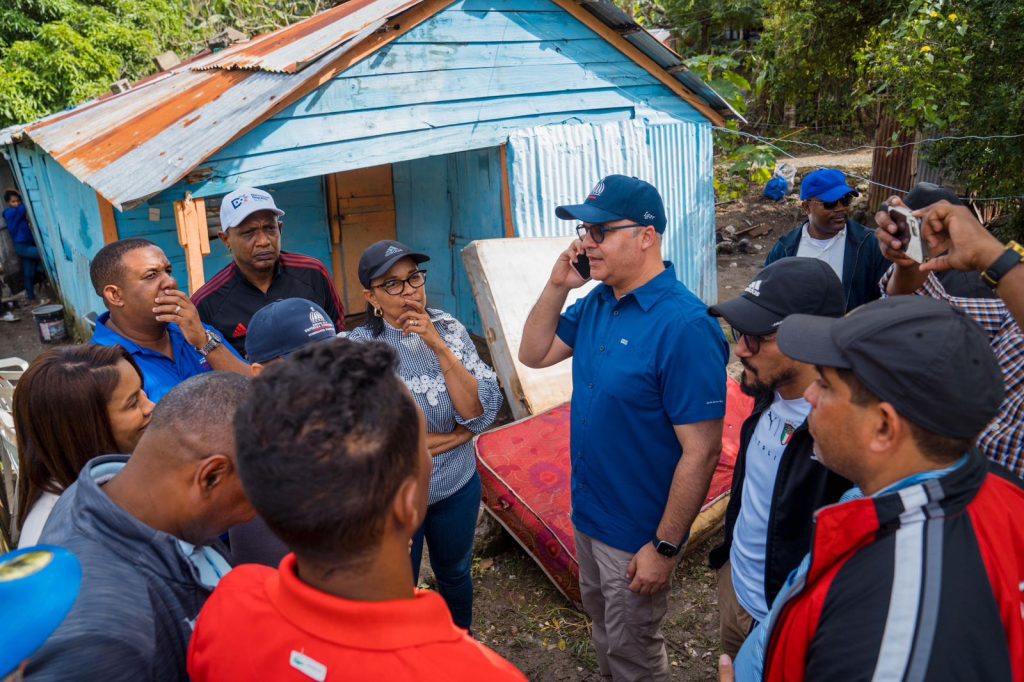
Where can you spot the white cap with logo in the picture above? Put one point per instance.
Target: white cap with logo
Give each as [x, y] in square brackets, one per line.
[244, 201]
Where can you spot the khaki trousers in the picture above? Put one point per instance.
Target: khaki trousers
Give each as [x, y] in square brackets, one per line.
[626, 626]
[734, 622]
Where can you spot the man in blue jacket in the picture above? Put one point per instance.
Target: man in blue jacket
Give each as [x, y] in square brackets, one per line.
[145, 529]
[829, 235]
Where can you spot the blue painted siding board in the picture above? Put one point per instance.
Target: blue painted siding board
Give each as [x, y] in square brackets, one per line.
[67, 220]
[405, 57]
[523, 44]
[454, 26]
[286, 135]
[280, 166]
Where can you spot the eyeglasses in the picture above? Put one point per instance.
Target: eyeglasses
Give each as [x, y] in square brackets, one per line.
[396, 286]
[597, 232]
[753, 342]
[831, 205]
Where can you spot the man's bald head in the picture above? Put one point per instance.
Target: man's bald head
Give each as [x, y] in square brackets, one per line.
[196, 417]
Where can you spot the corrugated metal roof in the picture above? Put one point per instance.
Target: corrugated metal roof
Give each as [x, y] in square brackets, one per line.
[138, 143]
[135, 144]
[613, 17]
[294, 47]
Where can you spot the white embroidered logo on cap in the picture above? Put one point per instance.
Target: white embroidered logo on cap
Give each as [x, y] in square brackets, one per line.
[598, 189]
[392, 250]
[315, 317]
[754, 288]
[648, 215]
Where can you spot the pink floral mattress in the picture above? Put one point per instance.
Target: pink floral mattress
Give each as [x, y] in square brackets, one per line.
[525, 472]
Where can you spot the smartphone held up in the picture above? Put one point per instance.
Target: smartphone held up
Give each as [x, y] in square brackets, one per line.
[582, 266]
[908, 231]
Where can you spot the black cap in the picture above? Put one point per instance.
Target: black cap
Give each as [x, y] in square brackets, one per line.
[619, 197]
[378, 259]
[787, 286]
[927, 193]
[285, 326]
[928, 359]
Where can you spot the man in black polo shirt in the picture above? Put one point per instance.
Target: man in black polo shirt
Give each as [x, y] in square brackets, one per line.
[261, 273]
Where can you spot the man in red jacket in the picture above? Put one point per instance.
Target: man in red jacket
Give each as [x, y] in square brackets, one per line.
[333, 455]
[917, 573]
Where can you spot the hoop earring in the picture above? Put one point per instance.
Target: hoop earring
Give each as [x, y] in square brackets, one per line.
[378, 312]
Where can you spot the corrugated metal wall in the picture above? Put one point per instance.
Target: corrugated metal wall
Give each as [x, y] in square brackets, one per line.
[553, 165]
[895, 167]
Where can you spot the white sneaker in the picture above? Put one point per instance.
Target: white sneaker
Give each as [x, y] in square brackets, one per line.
[9, 317]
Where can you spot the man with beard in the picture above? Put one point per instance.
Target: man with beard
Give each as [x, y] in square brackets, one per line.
[829, 235]
[778, 483]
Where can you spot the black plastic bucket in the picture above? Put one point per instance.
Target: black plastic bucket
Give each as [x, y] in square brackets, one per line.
[50, 322]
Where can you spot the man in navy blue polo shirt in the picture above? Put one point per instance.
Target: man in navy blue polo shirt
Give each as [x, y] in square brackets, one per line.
[647, 406]
[150, 318]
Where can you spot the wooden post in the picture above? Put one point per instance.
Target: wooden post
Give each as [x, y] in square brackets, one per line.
[107, 220]
[506, 192]
[194, 236]
[334, 217]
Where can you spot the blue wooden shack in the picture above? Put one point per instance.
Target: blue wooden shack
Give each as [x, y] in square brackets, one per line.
[431, 121]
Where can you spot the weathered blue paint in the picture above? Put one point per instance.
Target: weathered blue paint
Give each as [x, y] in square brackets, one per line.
[441, 204]
[463, 80]
[68, 227]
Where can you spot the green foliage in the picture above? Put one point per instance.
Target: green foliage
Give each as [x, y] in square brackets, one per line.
[718, 72]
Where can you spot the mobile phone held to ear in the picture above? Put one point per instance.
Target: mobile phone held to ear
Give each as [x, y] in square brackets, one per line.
[908, 232]
[582, 266]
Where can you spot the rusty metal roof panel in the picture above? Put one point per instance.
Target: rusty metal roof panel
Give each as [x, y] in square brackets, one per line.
[130, 148]
[292, 48]
[610, 14]
[138, 143]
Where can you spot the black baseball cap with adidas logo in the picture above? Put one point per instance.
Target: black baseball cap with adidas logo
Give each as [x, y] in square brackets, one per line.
[378, 259]
[786, 287]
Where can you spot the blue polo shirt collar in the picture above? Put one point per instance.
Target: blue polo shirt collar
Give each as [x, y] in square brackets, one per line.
[648, 294]
[105, 336]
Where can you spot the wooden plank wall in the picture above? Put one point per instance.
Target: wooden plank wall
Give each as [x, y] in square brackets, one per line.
[462, 80]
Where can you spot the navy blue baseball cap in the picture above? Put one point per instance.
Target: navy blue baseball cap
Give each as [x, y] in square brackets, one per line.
[38, 587]
[285, 326]
[378, 259]
[826, 184]
[618, 197]
[786, 287]
[925, 357]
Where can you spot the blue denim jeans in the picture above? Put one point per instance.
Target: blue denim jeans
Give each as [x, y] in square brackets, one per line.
[29, 255]
[449, 529]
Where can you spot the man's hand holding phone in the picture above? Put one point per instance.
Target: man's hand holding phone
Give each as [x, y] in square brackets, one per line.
[572, 269]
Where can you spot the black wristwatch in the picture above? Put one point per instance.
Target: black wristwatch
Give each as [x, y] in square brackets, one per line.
[1011, 258]
[212, 342]
[666, 548]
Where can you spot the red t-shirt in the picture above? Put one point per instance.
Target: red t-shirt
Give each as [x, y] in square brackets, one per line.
[262, 624]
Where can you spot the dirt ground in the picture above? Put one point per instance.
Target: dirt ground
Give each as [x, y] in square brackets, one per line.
[518, 612]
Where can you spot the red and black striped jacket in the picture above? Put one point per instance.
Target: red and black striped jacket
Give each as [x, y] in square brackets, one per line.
[228, 301]
[924, 583]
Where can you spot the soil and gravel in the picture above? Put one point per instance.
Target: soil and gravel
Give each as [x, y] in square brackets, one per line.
[518, 612]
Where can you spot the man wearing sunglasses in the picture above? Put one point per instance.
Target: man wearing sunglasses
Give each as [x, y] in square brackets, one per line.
[647, 406]
[778, 483]
[829, 235]
[260, 272]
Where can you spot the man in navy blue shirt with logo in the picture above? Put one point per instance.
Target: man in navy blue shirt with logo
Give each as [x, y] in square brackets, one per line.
[647, 407]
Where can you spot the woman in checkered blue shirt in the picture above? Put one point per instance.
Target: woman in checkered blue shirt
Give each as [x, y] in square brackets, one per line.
[459, 396]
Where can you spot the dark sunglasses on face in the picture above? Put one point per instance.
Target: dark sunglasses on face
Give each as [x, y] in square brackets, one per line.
[753, 342]
[598, 232]
[831, 205]
[396, 286]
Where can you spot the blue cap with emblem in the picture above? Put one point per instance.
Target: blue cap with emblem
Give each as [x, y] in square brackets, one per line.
[619, 197]
[285, 326]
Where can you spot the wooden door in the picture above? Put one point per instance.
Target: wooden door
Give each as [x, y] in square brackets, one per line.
[362, 211]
